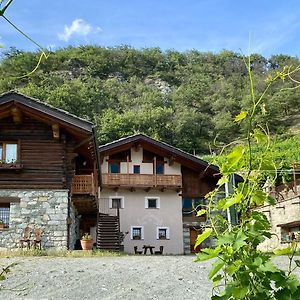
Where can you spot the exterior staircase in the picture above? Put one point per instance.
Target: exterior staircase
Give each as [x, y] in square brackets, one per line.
[108, 233]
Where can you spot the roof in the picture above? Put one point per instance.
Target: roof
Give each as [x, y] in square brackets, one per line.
[290, 224]
[173, 151]
[47, 109]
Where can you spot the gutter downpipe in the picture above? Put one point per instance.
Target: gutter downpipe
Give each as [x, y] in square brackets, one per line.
[228, 209]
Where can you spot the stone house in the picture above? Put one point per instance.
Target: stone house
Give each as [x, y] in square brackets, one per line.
[284, 216]
[48, 172]
[151, 192]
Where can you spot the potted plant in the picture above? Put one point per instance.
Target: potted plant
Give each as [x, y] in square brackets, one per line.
[2, 224]
[86, 242]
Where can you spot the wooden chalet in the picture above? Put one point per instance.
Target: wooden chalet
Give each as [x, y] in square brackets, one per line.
[137, 168]
[48, 172]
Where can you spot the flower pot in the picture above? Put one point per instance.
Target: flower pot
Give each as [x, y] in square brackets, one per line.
[86, 244]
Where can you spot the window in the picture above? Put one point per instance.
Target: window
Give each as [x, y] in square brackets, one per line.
[114, 167]
[116, 202]
[160, 168]
[136, 169]
[8, 152]
[289, 234]
[137, 232]
[152, 202]
[4, 214]
[163, 233]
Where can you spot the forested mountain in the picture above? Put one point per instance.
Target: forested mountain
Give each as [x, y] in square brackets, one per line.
[186, 99]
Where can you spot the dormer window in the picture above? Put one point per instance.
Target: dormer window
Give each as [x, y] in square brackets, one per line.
[8, 152]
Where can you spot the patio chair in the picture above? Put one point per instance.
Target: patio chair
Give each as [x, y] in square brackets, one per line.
[38, 238]
[26, 237]
[136, 250]
[160, 251]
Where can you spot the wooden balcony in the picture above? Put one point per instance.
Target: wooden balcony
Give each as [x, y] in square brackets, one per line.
[84, 185]
[141, 180]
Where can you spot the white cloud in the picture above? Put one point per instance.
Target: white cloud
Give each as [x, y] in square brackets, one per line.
[78, 27]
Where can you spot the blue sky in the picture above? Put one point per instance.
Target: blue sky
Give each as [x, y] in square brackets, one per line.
[205, 25]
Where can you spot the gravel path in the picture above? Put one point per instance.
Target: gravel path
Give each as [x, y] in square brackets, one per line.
[125, 277]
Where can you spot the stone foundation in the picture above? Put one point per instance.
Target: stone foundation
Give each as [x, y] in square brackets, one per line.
[186, 240]
[46, 209]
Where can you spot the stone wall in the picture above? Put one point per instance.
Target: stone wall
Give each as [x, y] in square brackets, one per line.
[208, 243]
[46, 209]
[283, 212]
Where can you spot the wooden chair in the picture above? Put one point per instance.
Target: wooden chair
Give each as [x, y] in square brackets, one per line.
[136, 250]
[26, 237]
[38, 238]
[160, 252]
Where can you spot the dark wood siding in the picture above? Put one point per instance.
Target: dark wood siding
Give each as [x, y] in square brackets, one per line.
[195, 185]
[45, 162]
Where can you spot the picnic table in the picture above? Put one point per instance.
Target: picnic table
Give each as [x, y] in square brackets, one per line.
[146, 247]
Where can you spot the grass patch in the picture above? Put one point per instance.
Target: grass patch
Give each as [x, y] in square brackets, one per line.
[59, 253]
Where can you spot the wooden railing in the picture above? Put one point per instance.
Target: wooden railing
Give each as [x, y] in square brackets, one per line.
[84, 184]
[142, 180]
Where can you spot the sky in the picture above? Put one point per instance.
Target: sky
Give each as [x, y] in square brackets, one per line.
[271, 26]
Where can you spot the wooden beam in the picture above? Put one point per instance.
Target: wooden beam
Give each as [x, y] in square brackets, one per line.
[17, 115]
[137, 147]
[55, 129]
[171, 161]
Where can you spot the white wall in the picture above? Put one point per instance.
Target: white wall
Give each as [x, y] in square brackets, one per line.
[135, 214]
[146, 168]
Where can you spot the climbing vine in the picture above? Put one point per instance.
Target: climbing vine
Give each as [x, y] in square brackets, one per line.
[43, 53]
[240, 270]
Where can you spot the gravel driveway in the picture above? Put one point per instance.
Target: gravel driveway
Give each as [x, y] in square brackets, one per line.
[124, 277]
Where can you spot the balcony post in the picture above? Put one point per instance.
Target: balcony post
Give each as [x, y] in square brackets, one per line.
[154, 171]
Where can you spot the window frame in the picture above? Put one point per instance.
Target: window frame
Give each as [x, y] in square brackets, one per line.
[6, 213]
[6, 202]
[141, 228]
[4, 146]
[150, 198]
[111, 198]
[167, 229]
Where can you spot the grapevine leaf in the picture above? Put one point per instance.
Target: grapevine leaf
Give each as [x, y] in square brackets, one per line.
[283, 251]
[222, 180]
[240, 292]
[201, 212]
[216, 267]
[203, 236]
[240, 240]
[260, 137]
[241, 116]
[207, 253]
[233, 200]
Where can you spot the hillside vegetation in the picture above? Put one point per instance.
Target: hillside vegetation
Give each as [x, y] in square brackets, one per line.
[186, 99]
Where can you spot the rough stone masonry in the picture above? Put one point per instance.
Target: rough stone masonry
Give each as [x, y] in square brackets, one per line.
[46, 209]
